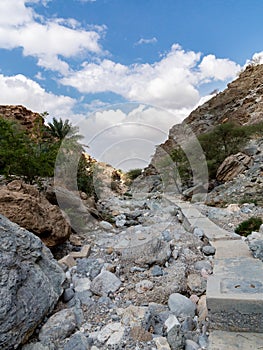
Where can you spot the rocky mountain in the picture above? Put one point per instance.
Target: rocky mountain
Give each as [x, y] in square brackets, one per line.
[26, 118]
[241, 102]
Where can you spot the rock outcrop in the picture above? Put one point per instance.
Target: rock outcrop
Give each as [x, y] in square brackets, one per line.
[30, 283]
[26, 118]
[27, 207]
[232, 166]
[241, 103]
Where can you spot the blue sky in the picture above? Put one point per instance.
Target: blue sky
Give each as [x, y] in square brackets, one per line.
[73, 57]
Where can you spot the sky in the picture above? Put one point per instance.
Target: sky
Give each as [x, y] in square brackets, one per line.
[124, 71]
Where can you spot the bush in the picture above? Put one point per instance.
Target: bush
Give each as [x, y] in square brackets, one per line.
[23, 155]
[247, 226]
[134, 173]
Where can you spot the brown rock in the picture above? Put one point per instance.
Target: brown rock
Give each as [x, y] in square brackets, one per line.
[27, 207]
[67, 260]
[232, 166]
[84, 253]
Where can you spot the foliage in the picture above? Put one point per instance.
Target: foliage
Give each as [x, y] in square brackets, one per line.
[61, 129]
[24, 156]
[221, 142]
[247, 226]
[182, 166]
[134, 173]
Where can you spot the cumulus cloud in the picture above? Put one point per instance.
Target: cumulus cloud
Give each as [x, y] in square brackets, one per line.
[126, 135]
[257, 58]
[18, 89]
[146, 41]
[46, 39]
[172, 82]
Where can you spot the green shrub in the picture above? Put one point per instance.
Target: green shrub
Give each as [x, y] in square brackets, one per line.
[134, 173]
[247, 226]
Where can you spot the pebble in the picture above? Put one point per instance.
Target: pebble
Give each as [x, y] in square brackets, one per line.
[157, 271]
[143, 286]
[181, 305]
[105, 283]
[208, 250]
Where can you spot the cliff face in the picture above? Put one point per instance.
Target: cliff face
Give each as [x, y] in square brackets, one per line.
[241, 102]
[26, 118]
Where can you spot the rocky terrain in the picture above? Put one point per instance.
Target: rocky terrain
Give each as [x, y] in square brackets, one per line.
[129, 269]
[241, 102]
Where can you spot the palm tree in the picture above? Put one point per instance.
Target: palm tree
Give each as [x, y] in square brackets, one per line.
[60, 129]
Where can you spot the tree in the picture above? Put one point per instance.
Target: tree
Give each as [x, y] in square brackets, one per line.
[61, 129]
[25, 156]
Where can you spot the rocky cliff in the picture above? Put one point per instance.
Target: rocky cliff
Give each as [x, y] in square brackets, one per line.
[241, 102]
[22, 115]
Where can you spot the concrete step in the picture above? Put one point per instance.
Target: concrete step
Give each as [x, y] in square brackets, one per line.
[220, 340]
[231, 249]
[235, 295]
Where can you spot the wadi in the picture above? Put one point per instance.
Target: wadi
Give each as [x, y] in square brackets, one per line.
[166, 257]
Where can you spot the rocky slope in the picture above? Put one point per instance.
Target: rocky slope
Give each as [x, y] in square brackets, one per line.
[26, 118]
[241, 102]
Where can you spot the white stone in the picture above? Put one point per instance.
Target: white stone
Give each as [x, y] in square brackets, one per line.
[106, 225]
[161, 343]
[171, 322]
[82, 284]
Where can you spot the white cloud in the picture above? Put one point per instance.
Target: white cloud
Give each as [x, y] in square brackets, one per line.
[47, 40]
[127, 139]
[171, 83]
[257, 58]
[146, 41]
[19, 90]
[212, 68]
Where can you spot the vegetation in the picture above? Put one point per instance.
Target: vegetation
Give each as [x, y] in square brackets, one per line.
[133, 173]
[247, 226]
[33, 156]
[221, 142]
[24, 156]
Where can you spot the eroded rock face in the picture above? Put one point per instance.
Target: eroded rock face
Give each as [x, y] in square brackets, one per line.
[24, 205]
[232, 166]
[30, 283]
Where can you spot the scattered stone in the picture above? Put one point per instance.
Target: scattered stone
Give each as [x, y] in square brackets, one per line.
[196, 284]
[257, 249]
[68, 261]
[191, 345]
[161, 343]
[58, 327]
[152, 252]
[202, 311]
[172, 322]
[140, 334]
[84, 253]
[181, 306]
[157, 271]
[89, 267]
[208, 250]
[30, 280]
[77, 341]
[176, 338]
[112, 333]
[68, 294]
[203, 264]
[105, 225]
[132, 315]
[82, 284]
[105, 283]
[198, 232]
[143, 286]
[166, 236]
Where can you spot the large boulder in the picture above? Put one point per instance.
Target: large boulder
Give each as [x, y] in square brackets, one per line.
[30, 283]
[232, 166]
[27, 207]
